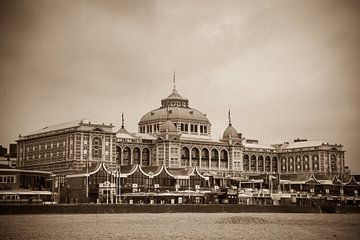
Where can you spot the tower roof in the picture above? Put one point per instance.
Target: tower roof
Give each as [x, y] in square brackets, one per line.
[230, 131]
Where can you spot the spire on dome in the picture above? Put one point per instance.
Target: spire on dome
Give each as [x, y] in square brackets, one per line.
[174, 83]
[122, 121]
[229, 117]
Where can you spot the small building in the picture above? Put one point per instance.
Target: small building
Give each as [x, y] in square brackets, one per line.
[25, 186]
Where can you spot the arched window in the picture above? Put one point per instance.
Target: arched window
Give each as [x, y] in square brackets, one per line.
[126, 156]
[253, 163]
[185, 156]
[214, 158]
[260, 163]
[267, 164]
[96, 148]
[145, 157]
[224, 160]
[195, 156]
[283, 164]
[306, 163]
[290, 164]
[246, 163]
[204, 157]
[118, 155]
[275, 164]
[298, 163]
[136, 153]
[333, 164]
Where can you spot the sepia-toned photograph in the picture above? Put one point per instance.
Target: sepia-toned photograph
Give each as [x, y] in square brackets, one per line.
[169, 119]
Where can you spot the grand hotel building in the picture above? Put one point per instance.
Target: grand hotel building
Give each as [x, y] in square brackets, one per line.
[175, 136]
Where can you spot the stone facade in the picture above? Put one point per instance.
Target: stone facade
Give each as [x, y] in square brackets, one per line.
[176, 136]
[67, 147]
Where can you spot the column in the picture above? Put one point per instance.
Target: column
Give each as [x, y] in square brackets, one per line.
[66, 148]
[256, 164]
[219, 160]
[81, 147]
[169, 159]
[209, 150]
[131, 156]
[111, 149]
[190, 151]
[141, 150]
[200, 157]
[121, 156]
[103, 140]
[90, 147]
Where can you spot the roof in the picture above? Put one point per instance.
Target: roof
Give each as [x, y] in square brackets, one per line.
[175, 95]
[304, 144]
[352, 182]
[179, 173]
[357, 178]
[298, 177]
[260, 146]
[24, 192]
[174, 113]
[128, 169]
[15, 170]
[151, 170]
[125, 134]
[144, 136]
[188, 137]
[86, 171]
[322, 176]
[81, 124]
[230, 132]
[59, 126]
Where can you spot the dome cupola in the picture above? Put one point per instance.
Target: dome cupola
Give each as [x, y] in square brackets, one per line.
[187, 120]
[230, 132]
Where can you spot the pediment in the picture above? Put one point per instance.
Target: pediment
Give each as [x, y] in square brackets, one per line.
[97, 130]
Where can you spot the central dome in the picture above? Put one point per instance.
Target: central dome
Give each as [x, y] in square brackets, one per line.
[176, 109]
[174, 113]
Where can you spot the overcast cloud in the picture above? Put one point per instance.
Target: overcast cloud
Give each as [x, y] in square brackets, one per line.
[286, 69]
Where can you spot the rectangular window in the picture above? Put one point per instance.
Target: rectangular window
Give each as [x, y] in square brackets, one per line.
[8, 179]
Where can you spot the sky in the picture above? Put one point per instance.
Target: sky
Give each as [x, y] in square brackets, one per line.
[286, 69]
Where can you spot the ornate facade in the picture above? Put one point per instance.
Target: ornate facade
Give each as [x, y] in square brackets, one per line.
[175, 136]
[67, 147]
